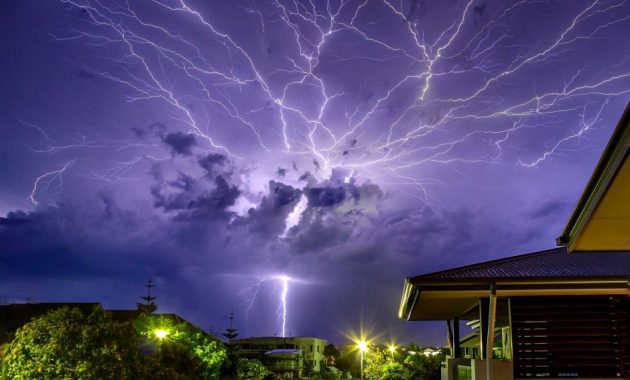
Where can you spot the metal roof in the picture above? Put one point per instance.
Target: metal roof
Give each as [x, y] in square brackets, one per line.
[551, 263]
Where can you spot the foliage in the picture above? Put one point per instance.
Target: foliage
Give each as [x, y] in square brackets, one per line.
[186, 348]
[349, 362]
[379, 366]
[331, 351]
[423, 367]
[66, 344]
[252, 369]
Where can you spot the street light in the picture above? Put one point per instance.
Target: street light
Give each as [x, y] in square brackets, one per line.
[363, 347]
[392, 349]
[160, 333]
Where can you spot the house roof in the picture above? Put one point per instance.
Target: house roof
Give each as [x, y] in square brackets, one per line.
[602, 214]
[538, 265]
[556, 272]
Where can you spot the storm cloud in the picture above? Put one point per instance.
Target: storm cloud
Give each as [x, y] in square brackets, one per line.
[335, 149]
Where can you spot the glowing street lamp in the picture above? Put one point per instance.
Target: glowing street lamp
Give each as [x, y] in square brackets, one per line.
[363, 347]
[392, 349]
[160, 333]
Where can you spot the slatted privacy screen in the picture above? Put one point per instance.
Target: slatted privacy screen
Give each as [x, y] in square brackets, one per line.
[576, 336]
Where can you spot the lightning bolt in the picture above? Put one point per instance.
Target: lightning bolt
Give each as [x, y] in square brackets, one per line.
[281, 281]
[415, 119]
[284, 280]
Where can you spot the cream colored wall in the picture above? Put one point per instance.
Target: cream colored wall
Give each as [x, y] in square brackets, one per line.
[609, 226]
[305, 343]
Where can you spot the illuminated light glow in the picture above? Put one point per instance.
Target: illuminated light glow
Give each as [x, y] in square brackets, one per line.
[363, 346]
[392, 348]
[161, 333]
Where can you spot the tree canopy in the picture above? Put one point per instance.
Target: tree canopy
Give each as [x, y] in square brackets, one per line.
[252, 369]
[68, 344]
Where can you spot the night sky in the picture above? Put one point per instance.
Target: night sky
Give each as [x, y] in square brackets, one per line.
[216, 145]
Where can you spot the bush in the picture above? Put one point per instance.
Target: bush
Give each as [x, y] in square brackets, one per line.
[252, 369]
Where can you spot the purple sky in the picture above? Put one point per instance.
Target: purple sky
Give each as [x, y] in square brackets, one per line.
[217, 144]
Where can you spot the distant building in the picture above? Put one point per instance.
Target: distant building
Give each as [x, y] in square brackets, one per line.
[287, 358]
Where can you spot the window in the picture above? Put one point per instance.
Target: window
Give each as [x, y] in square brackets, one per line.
[317, 348]
[311, 348]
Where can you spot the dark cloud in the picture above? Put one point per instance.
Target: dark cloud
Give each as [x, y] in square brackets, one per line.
[308, 177]
[190, 197]
[217, 201]
[174, 195]
[551, 207]
[269, 217]
[332, 196]
[139, 132]
[54, 241]
[281, 172]
[316, 233]
[213, 163]
[180, 143]
[325, 196]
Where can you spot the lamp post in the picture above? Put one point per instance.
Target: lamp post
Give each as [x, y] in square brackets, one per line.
[363, 348]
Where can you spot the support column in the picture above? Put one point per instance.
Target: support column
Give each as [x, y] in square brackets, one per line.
[450, 337]
[483, 327]
[456, 353]
[492, 310]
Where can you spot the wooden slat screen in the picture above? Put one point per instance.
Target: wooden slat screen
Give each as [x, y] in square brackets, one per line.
[571, 336]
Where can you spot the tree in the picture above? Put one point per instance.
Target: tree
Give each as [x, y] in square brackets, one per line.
[149, 306]
[394, 371]
[331, 353]
[379, 366]
[67, 344]
[349, 363]
[423, 367]
[251, 369]
[185, 348]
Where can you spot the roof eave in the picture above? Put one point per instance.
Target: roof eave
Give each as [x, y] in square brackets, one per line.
[408, 299]
[517, 280]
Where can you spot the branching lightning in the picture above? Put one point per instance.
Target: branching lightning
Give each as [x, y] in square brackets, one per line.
[371, 87]
[289, 106]
[48, 179]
